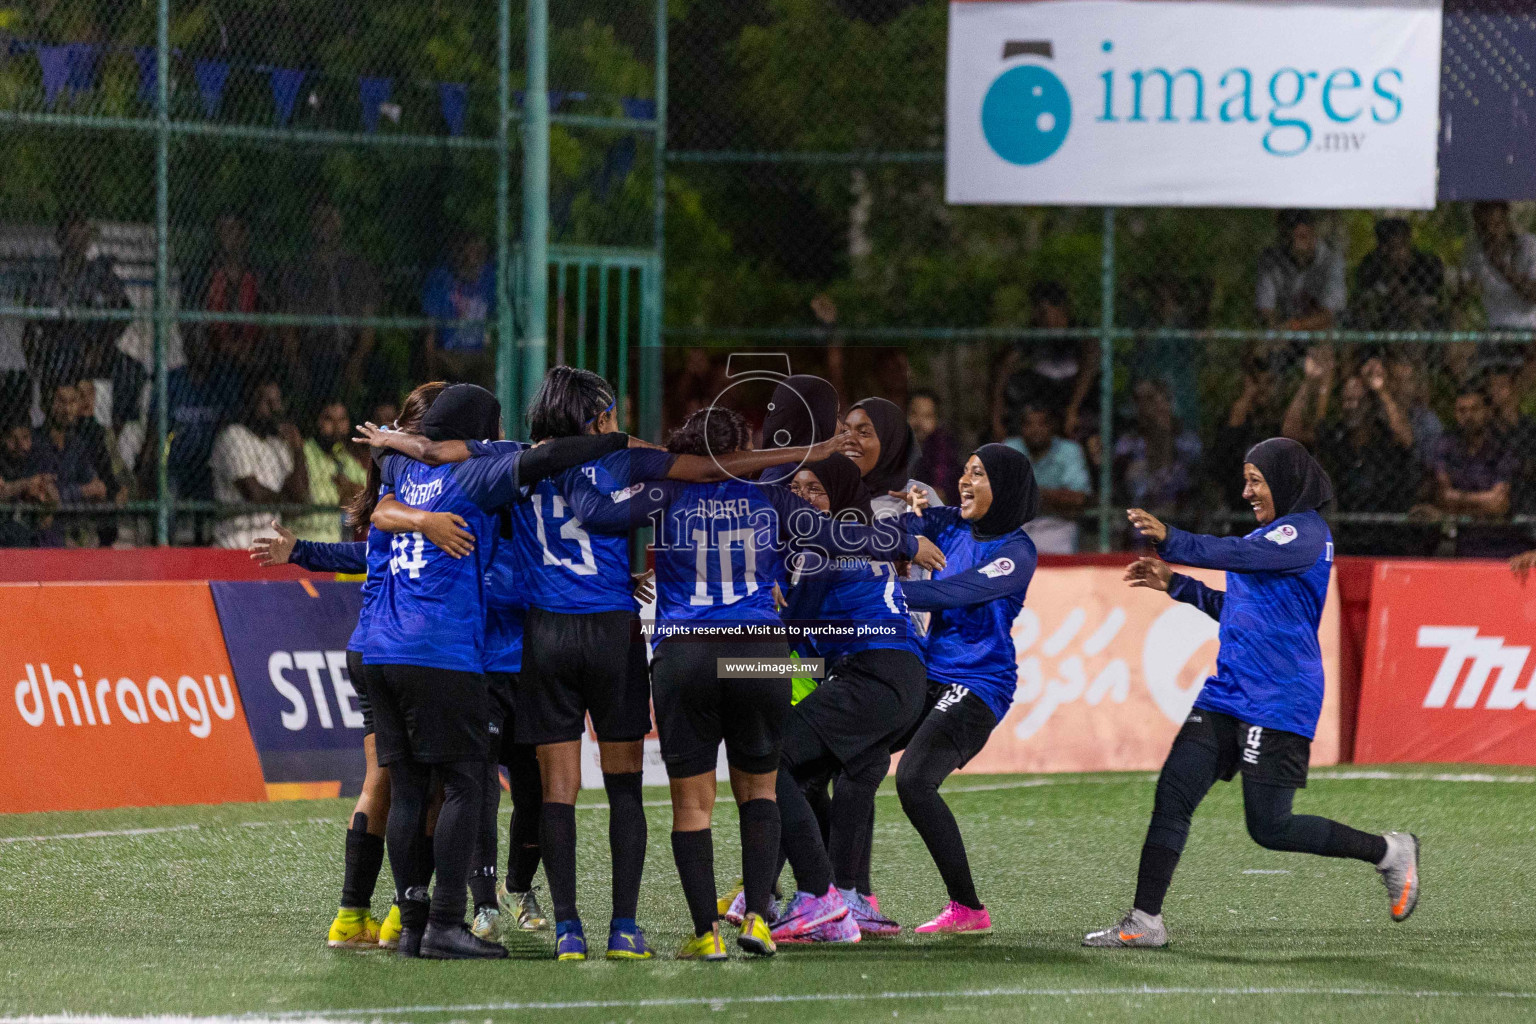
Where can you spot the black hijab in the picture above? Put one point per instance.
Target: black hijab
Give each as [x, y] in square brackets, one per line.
[890, 470]
[803, 411]
[463, 412]
[1015, 498]
[1296, 481]
[845, 490]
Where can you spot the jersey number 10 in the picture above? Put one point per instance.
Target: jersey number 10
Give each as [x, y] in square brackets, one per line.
[723, 540]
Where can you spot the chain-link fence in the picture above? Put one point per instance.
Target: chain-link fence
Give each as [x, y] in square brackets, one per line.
[228, 231]
[808, 210]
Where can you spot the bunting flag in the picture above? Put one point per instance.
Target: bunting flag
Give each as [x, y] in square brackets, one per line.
[148, 59]
[454, 100]
[211, 77]
[373, 92]
[54, 62]
[82, 58]
[286, 83]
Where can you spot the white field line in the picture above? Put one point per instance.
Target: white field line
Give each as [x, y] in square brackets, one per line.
[1329, 774]
[720, 1002]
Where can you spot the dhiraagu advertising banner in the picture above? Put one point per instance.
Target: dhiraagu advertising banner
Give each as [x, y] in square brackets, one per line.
[1193, 102]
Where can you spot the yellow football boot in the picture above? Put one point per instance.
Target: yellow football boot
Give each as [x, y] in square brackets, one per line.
[709, 946]
[353, 928]
[389, 931]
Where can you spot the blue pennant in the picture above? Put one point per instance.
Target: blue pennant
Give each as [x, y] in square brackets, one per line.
[642, 110]
[211, 76]
[373, 92]
[285, 92]
[54, 61]
[453, 97]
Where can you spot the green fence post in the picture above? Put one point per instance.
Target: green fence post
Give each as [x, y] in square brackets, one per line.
[653, 296]
[162, 316]
[536, 201]
[1106, 376]
[506, 344]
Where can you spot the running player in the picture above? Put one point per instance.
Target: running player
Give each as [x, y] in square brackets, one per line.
[431, 702]
[720, 550]
[972, 669]
[354, 926]
[1258, 713]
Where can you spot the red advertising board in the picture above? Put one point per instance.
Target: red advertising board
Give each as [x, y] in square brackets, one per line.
[122, 695]
[1448, 672]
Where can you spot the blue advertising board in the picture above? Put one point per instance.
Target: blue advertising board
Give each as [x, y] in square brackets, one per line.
[287, 642]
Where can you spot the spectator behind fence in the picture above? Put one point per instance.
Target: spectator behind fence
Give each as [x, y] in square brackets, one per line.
[202, 397]
[461, 288]
[1061, 472]
[1398, 287]
[1501, 267]
[100, 444]
[1300, 277]
[22, 481]
[1156, 459]
[60, 450]
[257, 460]
[233, 287]
[1474, 474]
[936, 453]
[68, 349]
[1055, 372]
[1409, 384]
[1309, 406]
[1256, 415]
[329, 359]
[1367, 447]
[334, 475]
[1507, 390]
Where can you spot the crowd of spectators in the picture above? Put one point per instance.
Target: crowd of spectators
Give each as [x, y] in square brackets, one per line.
[1430, 444]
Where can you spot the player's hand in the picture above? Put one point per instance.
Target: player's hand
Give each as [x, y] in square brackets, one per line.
[644, 584]
[373, 435]
[833, 445]
[449, 532]
[916, 498]
[928, 555]
[1147, 524]
[1521, 565]
[1149, 572]
[269, 551]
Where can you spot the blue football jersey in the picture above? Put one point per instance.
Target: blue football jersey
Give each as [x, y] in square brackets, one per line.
[1269, 670]
[851, 605]
[377, 558]
[566, 567]
[505, 602]
[431, 608]
[721, 547]
[974, 600]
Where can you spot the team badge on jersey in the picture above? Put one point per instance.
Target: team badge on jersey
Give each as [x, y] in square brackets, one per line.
[998, 567]
[1282, 534]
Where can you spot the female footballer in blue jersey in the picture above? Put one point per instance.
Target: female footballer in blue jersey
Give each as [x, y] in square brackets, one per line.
[354, 926]
[426, 645]
[972, 669]
[720, 550]
[1258, 713]
[582, 652]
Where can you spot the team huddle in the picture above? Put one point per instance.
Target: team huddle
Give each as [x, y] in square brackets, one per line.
[815, 611]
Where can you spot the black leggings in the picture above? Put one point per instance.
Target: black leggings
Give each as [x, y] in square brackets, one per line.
[453, 842]
[1188, 774]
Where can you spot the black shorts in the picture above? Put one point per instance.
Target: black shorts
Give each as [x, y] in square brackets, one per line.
[576, 664]
[431, 715]
[696, 709]
[1270, 756]
[503, 689]
[360, 674]
[868, 699]
[956, 718]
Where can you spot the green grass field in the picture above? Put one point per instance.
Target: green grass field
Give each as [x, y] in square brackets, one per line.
[216, 911]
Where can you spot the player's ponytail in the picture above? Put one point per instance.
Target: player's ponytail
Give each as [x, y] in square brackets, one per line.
[568, 403]
[412, 411]
[710, 431]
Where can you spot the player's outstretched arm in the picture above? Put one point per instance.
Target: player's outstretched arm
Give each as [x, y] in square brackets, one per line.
[415, 446]
[1009, 572]
[316, 556]
[704, 469]
[446, 530]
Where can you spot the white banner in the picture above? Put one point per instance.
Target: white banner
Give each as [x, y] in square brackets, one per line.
[1193, 102]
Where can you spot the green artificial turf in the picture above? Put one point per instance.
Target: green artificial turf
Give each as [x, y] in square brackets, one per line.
[224, 911]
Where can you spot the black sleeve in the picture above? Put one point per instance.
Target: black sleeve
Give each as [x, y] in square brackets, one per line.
[562, 453]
